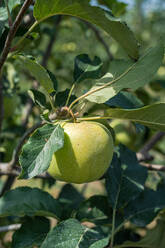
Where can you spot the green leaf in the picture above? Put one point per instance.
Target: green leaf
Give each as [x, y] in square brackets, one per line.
[32, 233]
[127, 74]
[37, 71]
[3, 12]
[81, 9]
[71, 234]
[24, 201]
[152, 116]
[61, 98]
[118, 8]
[54, 80]
[38, 98]
[13, 3]
[125, 100]
[96, 210]
[85, 68]
[70, 199]
[154, 238]
[145, 207]
[3, 19]
[125, 178]
[38, 151]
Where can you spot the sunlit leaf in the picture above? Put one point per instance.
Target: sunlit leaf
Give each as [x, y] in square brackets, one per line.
[71, 233]
[38, 151]
[152, 116]
[81, 9]
[127, 74]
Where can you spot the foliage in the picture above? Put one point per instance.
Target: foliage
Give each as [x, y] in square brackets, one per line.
[71, 61]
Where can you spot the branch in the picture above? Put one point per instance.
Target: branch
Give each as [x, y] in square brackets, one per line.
[143, 154]
[13, 31]
[12, 227]
[5, 171]
[154, 167]
[6, 49]
[14, 160]
[100, 39]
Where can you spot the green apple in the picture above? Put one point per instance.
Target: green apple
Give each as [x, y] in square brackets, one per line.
[125, 132]
[86, 155]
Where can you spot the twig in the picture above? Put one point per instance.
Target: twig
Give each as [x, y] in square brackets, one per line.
[29, 107]
[6, 49]
[154, 167]
[143, 154]
[15, 173]
[100, 38]
[12, 227]
[13, 31]
[154, 139]
[15, 157]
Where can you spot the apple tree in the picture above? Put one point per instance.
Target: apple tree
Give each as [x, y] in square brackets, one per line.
[81, 100]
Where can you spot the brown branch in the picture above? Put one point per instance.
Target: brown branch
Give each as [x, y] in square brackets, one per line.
[6, 49]
[5, 171]
[15, 157]
[29, 107]
[8, 228]
[13, 31]
[100, 39]
[143, 154]
[154, 167]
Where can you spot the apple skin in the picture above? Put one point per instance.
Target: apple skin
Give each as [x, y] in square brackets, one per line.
[86, 155]
[125, 133]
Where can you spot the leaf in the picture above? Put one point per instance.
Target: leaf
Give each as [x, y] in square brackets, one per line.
[38, 97]
[71, 234]
[152, 116]
[32, 233]
[127, 74]
[3, 13]
[3, 19]
[125, 178]
[85, 68]
[125, 100]
[145, 207]
[118, 8]
[96, 210]
[54, 80]
[24, 201]
[37, 71]
[81, 9]
[61, 98]
[38, 151]
[154, 238]
[70, 199]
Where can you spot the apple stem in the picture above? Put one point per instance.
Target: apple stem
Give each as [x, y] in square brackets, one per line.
[64, 112]
[70, 93]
